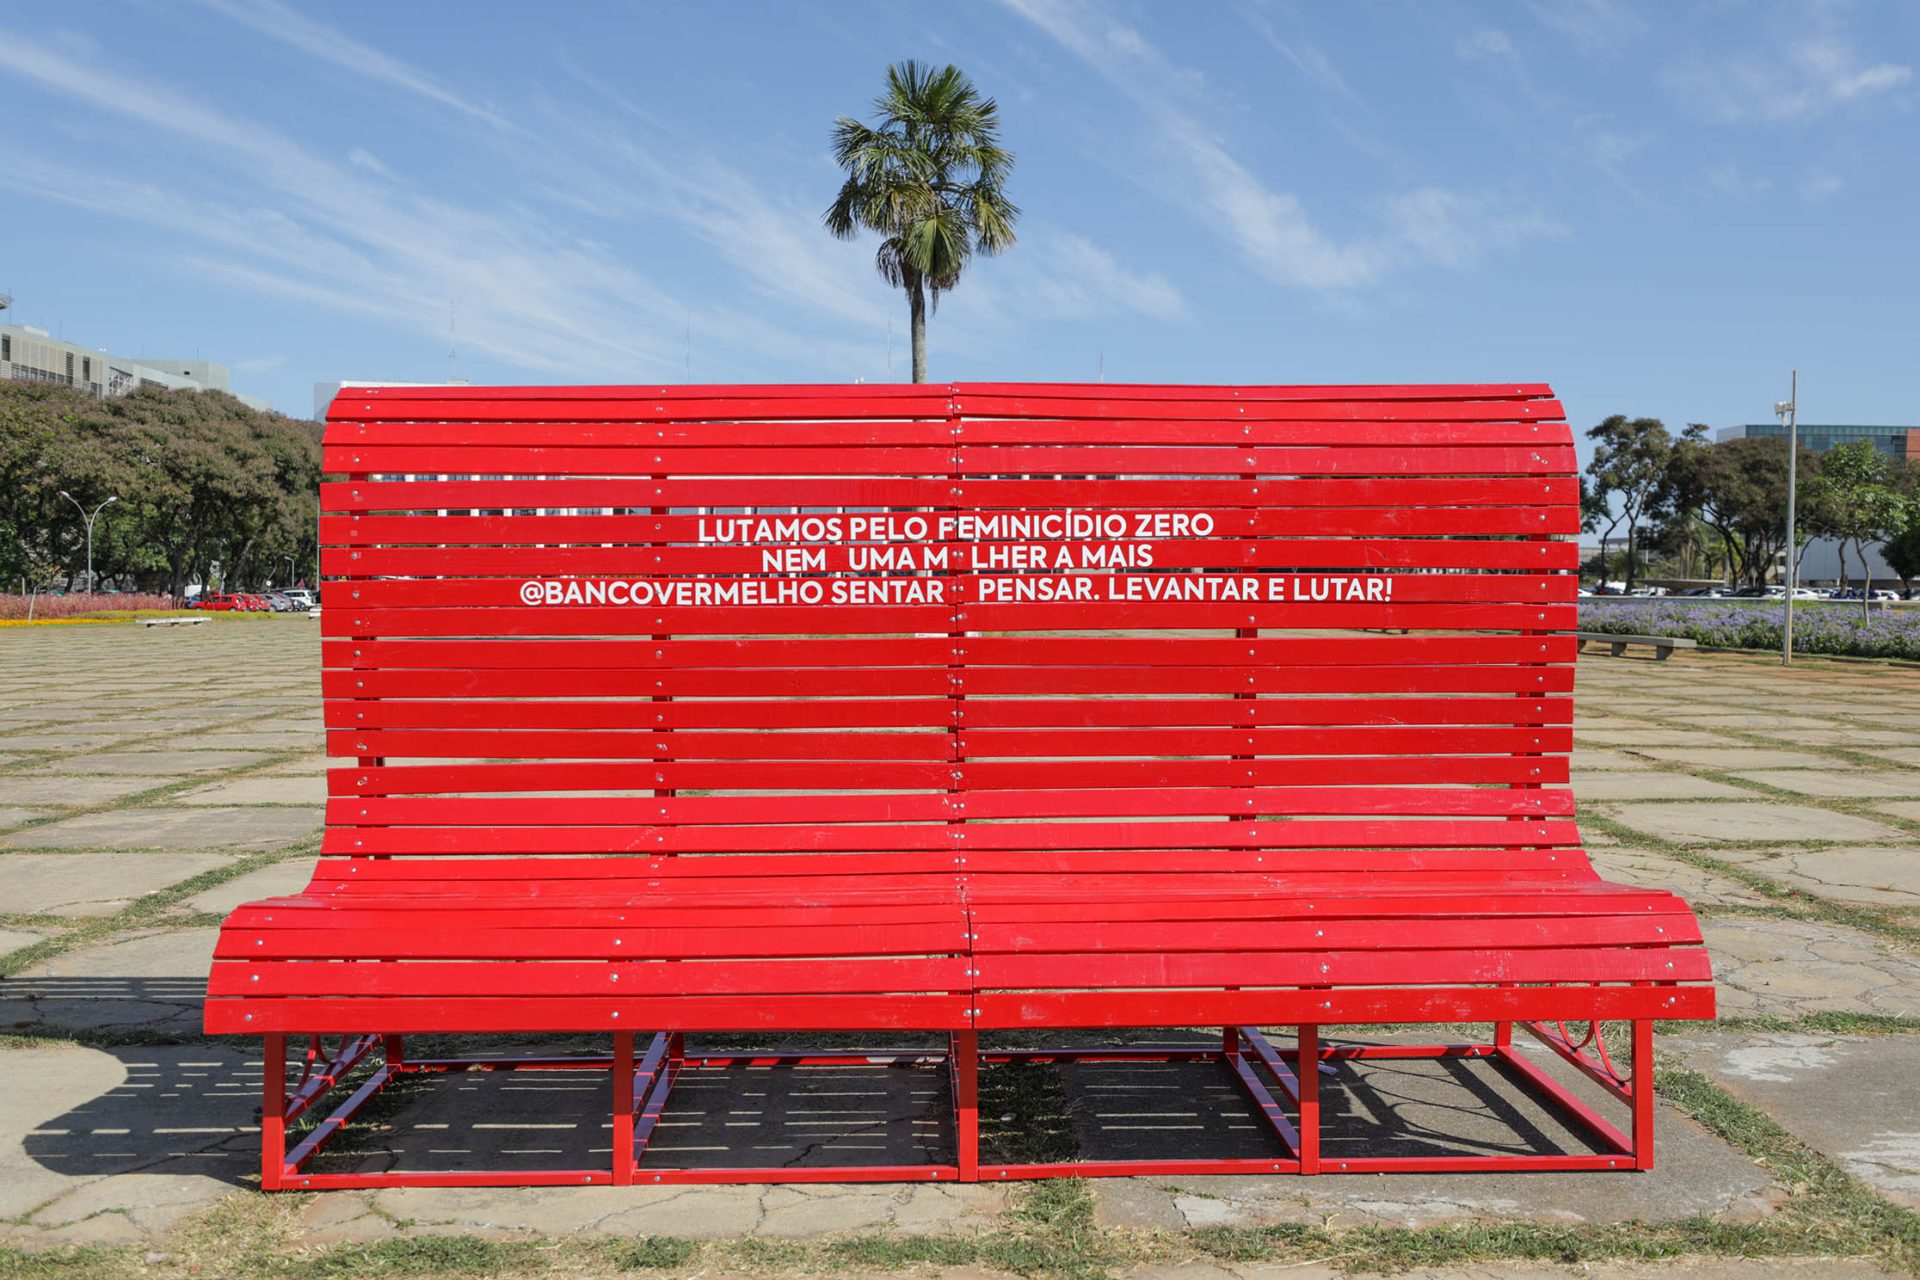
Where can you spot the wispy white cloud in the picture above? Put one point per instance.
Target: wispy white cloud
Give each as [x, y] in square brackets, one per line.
[367, 160]
[1798, 78]
[1608, 146]
[281, 22]
[1597, 26]
[1821, 185]
[536, 299]
[1065, 276]
[1488, 42]
[1731, 179]
[1271, 228]
[1309, 59]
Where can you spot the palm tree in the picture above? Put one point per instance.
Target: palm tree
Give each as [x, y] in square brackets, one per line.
[930, 178]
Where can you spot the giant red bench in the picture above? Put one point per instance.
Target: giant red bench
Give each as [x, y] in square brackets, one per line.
[955, 710]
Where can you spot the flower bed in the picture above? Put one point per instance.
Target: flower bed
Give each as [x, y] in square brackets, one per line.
[1837, 628]
[14, 608]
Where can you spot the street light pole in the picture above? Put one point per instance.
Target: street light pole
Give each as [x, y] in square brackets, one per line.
[1789, 411]
[289, 560]
[89, 519]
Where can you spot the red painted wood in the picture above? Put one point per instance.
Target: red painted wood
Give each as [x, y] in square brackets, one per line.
[850, 815]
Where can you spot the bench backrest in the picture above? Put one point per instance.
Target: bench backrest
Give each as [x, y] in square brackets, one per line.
[1212, 629]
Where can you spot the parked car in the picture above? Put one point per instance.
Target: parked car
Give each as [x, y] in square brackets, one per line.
[217, 602]
[300, 597]
[279, 602]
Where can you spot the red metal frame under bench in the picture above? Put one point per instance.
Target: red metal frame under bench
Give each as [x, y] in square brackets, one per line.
[958, 710]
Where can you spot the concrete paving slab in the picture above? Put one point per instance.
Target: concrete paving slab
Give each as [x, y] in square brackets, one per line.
[1651, 785]
[1657, 871]
[1760, 822]
[1843, 783]
[700, 1213]
[66, 741]
[278, 880]
[1878, 876]
[1909, 756]
[74, 792]
[1593, 759]
[1909, 809]
[1695, 1173]
[1853, 736]
[14, 815]
[170, 763]
[252, 739]
[301, 789]
[1789, 968]
[150, 981]
[1854, 1099]
[175, 828]
[1735, 759]
[12, 940]
[1647, 736]
[119, 1146]
[1678, 1269]
[92, 884]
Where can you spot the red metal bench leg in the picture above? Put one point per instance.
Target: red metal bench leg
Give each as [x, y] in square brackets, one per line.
[1307, 1069]
[623, 1108]
[395, 1050]
[1643, 1094]
[273, 1113]
[963, 1058]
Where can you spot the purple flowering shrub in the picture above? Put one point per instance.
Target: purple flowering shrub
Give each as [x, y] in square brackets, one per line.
[1755, 624]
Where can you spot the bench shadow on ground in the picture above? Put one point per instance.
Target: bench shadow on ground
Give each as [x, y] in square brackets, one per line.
[195, 1107]
[176, 1109]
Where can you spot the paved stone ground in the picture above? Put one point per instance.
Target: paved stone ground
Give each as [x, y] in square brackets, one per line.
[151, 780]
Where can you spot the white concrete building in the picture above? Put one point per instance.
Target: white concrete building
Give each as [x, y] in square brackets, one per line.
[30, 354]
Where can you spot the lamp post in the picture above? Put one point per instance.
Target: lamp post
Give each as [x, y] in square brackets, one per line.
[1789, 411]
[289, 560]
[89, 519]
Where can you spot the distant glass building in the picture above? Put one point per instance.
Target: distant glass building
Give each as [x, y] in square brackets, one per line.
[1901, 444]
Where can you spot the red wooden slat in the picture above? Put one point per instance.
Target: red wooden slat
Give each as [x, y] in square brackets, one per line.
[874, 619]
[1357, 520]
[1387, 652]
[1158, 462]
[1297, 554]
[869, 491]
[998, 713]
[1132, 587]
[561, 777]
[572, 978]
[1281, 834]
[1228, 430]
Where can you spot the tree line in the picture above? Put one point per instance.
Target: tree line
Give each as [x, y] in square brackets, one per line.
[201, 480]
[1718, 509]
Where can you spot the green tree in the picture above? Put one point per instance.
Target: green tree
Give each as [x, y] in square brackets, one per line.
[1901, 550]
[1630, 460]
[930, 179]
[200, 476]
[1851, 500]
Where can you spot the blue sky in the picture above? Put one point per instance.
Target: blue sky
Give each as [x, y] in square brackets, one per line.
[1659, 208]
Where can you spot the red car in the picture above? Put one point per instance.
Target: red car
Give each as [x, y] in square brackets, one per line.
[219, 602]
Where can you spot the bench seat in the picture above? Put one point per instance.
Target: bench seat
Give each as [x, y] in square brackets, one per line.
[1081, 940]
[951, 710]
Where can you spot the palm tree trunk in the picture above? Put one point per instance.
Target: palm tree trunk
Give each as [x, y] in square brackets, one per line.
[917, 314]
